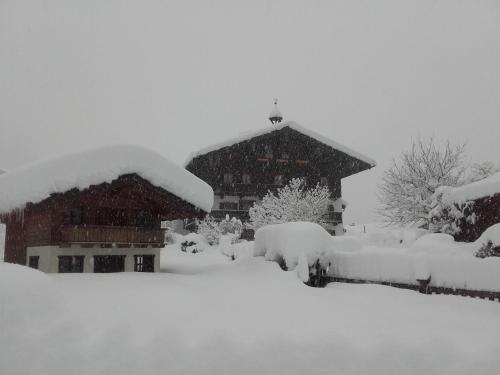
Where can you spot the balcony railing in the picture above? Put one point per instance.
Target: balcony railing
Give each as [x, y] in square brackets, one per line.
[110, 235]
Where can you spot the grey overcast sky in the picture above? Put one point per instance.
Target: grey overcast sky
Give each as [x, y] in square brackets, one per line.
[179, 75]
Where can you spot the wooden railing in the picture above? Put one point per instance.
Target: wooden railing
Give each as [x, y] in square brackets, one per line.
[111, 234]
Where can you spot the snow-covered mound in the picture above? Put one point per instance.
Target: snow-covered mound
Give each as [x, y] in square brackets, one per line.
[491, 234]
[38, 181]
[289, 241]
[379, 234]
[479, 189]
[29, 299]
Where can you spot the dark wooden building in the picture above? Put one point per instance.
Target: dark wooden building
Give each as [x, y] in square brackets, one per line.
[105, 227]
[480, 203]
[241, 171]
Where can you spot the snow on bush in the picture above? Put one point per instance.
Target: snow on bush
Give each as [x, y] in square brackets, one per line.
[287, 242]
[489, 242]
[212, 230]
[192, 243]
[292, 203]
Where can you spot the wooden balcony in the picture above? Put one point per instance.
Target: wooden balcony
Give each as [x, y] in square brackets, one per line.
[88, 234]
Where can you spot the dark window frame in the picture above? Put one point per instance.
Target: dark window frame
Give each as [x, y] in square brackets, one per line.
[71, 263]
[34, 261]
[144, 263]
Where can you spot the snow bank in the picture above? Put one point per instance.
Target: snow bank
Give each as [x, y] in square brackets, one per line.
[479, 189]
[38, 181]
[292, 125]
[288, 241]
[29, 299]
[378, 234]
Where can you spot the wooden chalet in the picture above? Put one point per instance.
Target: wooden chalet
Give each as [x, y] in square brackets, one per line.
[241, 171]
[108, 226]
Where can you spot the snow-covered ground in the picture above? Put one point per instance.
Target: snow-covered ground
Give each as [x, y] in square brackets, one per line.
[205, 314]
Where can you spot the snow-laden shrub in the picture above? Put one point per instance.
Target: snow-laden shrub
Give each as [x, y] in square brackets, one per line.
[212, 230]
[290, 241]
[445, 216]
[209, 228]
[488, 250]
[489, 242]
[292, 203]
[193, 243]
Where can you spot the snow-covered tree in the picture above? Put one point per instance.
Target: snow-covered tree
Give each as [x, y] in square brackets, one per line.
[213, 230]
[407, 187]
[479, 171]
[445, 216]
[293, 202]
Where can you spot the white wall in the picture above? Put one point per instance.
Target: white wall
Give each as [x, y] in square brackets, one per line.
[49, 262]
[2, 241]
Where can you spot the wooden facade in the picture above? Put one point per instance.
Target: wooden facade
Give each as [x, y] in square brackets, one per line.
[124, 213]
[244, 172]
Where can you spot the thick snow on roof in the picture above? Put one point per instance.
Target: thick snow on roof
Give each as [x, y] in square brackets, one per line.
[291, 124]
[479, 189]
[38, 181]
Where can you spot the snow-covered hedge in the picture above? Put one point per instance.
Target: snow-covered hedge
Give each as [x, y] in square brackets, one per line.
[449, 264]
[288, 241]
[437, 256]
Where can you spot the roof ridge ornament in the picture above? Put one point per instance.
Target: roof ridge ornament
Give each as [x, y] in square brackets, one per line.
[275, 116]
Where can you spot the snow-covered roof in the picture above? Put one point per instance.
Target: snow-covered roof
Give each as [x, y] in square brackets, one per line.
[479, 189]
[35, 182]
[292, 125]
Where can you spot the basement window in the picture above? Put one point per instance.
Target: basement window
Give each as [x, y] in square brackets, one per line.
[144, 263]
[71, 264]
[33, 261]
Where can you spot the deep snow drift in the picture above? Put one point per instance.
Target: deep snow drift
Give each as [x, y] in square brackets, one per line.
[208, 315]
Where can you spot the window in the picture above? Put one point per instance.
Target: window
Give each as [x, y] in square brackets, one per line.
[278, 180]
[323, 181]
[109, 263]
[245, 178]
[144, 263]
[285, 156]
[228, 206]
[75, 216]
[228, 178]
[33, 262]
[144, 219]
[68, 263]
